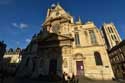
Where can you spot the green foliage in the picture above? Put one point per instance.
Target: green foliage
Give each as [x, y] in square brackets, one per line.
[2, 49]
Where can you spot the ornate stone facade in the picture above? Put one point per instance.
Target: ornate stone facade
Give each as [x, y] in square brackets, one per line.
[66, 46]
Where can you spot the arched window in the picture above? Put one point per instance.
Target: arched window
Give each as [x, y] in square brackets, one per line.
[98, 59]
[77, 41]
[92, 37]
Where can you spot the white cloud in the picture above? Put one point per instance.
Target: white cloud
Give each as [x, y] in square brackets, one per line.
[15, 24]
[20, 25]
[28, 40]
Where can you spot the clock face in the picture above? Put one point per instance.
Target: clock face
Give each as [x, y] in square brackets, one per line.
[55, 28]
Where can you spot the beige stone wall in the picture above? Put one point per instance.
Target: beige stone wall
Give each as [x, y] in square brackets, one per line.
[14, 58]
[90, 68]
[87, 50]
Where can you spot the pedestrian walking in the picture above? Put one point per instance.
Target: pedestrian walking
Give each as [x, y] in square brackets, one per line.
[73, 78]
[69, 80]
[66, 78]
[63, 78]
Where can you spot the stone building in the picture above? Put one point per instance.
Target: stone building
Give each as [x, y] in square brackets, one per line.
[14, 56]
[63, 45]
[111, 35]
[11, 60]
[117, 58]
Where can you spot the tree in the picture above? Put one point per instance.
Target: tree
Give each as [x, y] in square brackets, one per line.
[2, 51]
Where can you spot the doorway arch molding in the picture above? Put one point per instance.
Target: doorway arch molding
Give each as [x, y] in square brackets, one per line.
[78, 56]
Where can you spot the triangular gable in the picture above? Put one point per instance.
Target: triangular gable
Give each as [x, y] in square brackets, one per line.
[57, 12]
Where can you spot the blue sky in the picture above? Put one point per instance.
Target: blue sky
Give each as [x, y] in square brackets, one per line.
[20, 19]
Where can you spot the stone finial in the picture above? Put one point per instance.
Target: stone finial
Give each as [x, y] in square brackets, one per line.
[79, 21]
[53, 5]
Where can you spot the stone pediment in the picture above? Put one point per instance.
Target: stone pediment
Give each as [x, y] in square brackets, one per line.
[56, 13]
[55, 37]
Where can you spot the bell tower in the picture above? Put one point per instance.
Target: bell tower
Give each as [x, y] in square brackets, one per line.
[111, 35]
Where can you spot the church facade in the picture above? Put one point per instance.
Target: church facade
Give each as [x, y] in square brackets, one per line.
[63, 45]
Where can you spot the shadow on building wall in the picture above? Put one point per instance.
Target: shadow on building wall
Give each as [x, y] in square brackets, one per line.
[42, 59]
[7, 69]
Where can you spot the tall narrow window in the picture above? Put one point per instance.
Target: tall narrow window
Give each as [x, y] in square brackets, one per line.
[98, 59]
[92, 37]
[111, 29]
[85, 32]
[114, 37]
[77, 41]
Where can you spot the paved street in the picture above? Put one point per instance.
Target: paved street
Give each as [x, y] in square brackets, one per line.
[13, 80]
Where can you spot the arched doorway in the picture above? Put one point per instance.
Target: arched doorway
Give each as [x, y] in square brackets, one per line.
[79, 67]
[52, 67]
[53, 61]
[79, 64]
